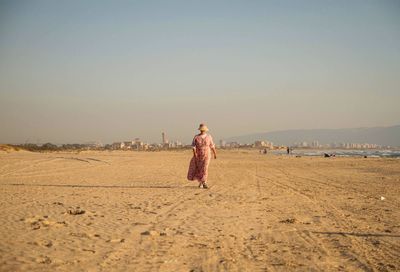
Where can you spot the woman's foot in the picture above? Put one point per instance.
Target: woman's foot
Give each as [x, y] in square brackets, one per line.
[205, 186]
[201, 185]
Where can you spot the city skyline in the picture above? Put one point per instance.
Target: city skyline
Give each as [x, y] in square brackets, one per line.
[261, 142]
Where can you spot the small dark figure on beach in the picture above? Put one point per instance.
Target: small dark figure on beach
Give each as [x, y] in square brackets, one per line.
[198, 168]
[265, 151]
[288, 150]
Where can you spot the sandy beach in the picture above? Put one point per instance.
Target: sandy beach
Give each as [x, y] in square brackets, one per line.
[135, 211]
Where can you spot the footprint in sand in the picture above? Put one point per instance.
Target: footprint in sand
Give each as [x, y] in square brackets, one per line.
[79, 234]
[44, 243]
[117, 240]
[44, 260]
[89, 250]
[151, 233]
[37, 222]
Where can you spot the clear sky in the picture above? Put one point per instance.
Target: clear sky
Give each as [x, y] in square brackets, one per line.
[76, 71]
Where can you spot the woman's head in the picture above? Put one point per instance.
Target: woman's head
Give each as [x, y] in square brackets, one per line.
[203, 128]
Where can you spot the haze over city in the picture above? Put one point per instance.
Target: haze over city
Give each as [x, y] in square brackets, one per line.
[105, 70]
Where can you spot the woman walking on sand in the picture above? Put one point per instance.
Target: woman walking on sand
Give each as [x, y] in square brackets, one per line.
[198, 168]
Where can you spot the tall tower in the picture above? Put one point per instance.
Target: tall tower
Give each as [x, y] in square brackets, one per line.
[164, 138]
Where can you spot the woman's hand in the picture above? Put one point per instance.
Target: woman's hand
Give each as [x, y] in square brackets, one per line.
[214, 152]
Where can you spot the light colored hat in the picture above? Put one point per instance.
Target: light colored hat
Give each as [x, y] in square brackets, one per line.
[203, 127]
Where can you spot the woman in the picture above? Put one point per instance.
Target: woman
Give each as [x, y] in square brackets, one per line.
[198, 168]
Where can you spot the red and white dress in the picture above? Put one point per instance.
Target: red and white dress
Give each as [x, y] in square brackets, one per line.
[198, 168]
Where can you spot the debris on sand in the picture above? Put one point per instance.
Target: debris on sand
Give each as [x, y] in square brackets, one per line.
[288, 221]
[75, 211]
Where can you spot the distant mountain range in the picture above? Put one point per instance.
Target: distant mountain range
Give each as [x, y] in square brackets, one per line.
[375, 135]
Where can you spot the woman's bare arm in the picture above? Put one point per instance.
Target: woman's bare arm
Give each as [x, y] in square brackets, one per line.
[214, 152]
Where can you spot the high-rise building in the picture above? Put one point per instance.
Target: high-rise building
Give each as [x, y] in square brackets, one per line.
[164, 138]
[315, 144]
[222, 143]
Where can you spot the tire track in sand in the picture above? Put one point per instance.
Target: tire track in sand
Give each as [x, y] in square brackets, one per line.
[371, 258]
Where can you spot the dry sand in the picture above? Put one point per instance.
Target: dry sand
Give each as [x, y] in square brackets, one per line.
[130, 211]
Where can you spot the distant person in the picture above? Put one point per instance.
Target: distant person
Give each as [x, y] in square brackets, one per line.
[288, 150]
[198, 168]
[265, 151]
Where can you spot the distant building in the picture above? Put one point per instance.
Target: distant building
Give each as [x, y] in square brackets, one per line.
[259, 144]
[137, 144]
[128, 144]
[178, 144]
[164, 138]
[264, 144]
[315, 144]
[117, 145]
[222, 143]
[91, 145]
[233, 145]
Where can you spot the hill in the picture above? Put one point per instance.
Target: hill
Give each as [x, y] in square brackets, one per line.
[376, 135]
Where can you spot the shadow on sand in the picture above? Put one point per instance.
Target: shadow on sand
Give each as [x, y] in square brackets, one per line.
[356, 234]
[103, 186]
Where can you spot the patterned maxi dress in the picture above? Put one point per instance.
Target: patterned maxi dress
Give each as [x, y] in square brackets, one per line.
[198, 168]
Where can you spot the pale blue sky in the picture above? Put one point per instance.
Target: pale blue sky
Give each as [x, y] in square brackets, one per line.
[75, 71]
